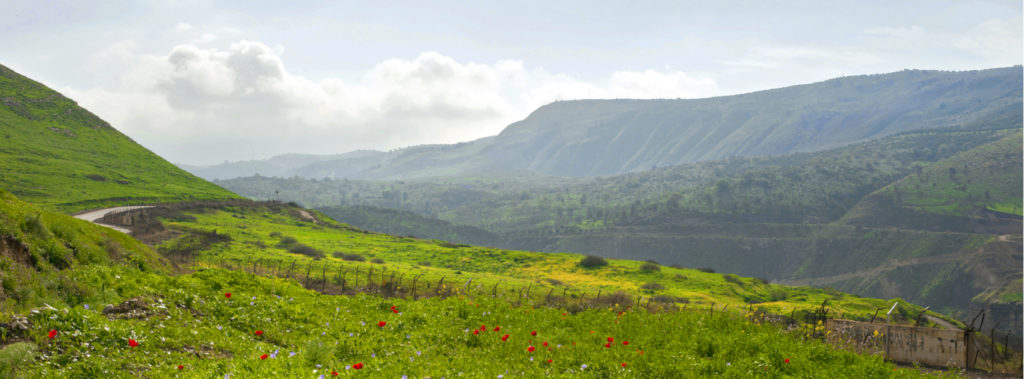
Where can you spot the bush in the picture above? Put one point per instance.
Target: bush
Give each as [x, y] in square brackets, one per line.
[593, 261]
[708, 270]
[732, 278]
[650, 267]
[652, 286]
[377, 260]
[306, 250]
[348, 257]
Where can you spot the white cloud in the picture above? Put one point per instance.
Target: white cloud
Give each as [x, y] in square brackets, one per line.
[204, 105]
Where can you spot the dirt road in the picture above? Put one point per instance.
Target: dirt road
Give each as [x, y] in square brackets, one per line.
[97, 214]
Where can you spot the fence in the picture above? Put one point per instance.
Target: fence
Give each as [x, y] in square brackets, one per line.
[967, 349]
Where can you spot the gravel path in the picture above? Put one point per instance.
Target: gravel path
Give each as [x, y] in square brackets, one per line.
[97, 214]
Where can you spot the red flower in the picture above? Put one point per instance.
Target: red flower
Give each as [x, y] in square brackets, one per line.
[611, 339]
[381, 324]
[533, 333]
[608, 345]
[334, 373]
[623, 364]
[258, 332]
[358, 366]
[483, 328]
[786, 360]
[545, 343]
[549, 361]
[180, 367]
[504, 337]
[531, 349]
[476, 331]
[262, 357]
[497, 328]
[395, 311]
[133, 343]
[625, 342]
[227, 295]
[53, 333]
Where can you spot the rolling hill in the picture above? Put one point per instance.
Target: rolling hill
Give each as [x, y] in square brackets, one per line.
[57, 155]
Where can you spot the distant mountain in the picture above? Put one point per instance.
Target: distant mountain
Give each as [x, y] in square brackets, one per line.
[55, 154]
[607, 137]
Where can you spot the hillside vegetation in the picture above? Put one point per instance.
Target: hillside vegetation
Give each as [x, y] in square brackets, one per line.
[103, 318]
[60, 156]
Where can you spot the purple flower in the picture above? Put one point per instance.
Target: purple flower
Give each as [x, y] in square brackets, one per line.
[86, 306]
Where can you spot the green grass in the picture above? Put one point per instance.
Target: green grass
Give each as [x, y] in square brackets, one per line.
[256, 230]
[188, 321]
[305, 335]
[59, 156]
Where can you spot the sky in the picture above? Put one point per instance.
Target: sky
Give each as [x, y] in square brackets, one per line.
[204, 82]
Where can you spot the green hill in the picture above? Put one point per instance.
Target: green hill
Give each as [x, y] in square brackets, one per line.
[60, 156]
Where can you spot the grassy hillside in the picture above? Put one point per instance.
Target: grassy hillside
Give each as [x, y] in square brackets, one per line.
[134, 319]
[276, 238]
[57, 155]
[40, 249]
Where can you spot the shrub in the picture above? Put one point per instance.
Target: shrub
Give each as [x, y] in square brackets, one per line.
[708, 270]
[14, 355]
[652, 286]
[650, 267]
[732, 278]
[377, 260]
[306, 250]
[593, 261]
[348, 257]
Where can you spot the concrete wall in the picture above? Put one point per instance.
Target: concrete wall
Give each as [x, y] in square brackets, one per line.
[934, 347]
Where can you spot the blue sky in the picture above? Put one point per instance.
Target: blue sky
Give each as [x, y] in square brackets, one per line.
[201, 82]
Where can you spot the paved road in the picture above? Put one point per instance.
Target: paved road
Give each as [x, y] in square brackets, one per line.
[97, 214]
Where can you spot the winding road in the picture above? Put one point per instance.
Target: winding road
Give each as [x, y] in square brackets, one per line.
[96, 214]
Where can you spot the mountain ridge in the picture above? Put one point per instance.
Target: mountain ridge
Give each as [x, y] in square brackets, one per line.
[606, 137]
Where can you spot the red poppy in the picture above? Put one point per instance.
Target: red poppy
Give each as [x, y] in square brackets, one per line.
[180, 367]
[786, 360]
[483, 328]
[504, 337]
[227, 295]
[395, 311]
[545, 343]
[262, 357]
[476, 331]
[53, 333]
[611, 339]
[497, 328]
[531, 349]
[358, 366]
[608, 345]
[258, 332]
[133, 343]
[533, 333]
[334, 373]
[549, 361]
[623, 364]
[381, 324]
[625, 342]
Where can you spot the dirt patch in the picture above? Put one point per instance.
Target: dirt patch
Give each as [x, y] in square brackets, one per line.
[135, 308]
[15, 250]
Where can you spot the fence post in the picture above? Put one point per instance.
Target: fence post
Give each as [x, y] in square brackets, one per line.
[308, 268]
[323, 277]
